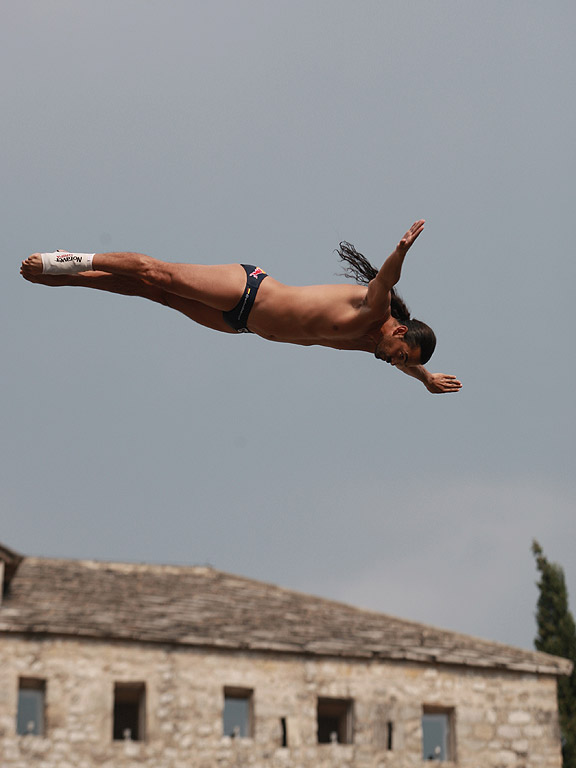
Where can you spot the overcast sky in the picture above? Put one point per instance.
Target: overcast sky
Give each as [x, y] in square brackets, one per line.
[266, 131]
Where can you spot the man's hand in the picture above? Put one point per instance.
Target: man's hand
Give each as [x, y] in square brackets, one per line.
[410, 236]
[439, 383]
[378, 296]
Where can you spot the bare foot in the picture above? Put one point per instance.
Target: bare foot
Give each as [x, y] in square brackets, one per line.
[102, 281]
[31, 268]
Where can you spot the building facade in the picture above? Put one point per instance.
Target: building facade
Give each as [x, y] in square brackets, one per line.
[117, 666]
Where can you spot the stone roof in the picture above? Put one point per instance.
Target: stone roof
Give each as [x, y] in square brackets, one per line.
[203, 607]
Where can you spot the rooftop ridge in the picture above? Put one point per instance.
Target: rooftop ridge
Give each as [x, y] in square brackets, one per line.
[177, 569]
[200, 605]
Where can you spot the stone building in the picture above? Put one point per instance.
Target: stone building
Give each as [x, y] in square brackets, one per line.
[118, 666]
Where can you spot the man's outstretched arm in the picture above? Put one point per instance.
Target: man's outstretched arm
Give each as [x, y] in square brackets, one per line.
[389, 274]
[437, 383]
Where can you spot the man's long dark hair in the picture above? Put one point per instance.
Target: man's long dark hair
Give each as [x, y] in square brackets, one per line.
[418, 334]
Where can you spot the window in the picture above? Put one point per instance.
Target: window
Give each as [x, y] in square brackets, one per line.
[129, 711]
[334, 721]
[31, 704]
[237, 715]
[437, 733]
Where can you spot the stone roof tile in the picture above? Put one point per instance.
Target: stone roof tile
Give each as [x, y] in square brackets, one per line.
[200, 606]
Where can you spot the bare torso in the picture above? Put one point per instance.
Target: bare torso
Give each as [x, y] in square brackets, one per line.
[327, 315]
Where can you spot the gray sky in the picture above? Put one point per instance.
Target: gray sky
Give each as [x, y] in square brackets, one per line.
[266, 132]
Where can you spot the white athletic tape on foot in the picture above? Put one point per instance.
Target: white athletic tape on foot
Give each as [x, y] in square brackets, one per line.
[61, 262]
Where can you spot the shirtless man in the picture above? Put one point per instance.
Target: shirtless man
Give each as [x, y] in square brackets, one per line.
[235, 298]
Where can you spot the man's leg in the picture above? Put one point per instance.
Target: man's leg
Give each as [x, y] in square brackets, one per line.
[217, 286]
[130, 286]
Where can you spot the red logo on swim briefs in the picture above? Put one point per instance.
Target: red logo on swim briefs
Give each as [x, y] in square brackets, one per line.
[257, 272]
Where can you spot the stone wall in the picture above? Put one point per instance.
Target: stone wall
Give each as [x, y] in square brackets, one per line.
[501, 720]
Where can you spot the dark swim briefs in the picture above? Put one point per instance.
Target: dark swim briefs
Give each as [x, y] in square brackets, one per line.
[237, 318]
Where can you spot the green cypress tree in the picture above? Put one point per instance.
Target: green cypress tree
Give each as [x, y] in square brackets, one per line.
[557, 635]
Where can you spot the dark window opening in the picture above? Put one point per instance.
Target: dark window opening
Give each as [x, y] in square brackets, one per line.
[389, 735]
[31, 705]
[334, 721]
[284, 732]
[237, 715]
[129, 712]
